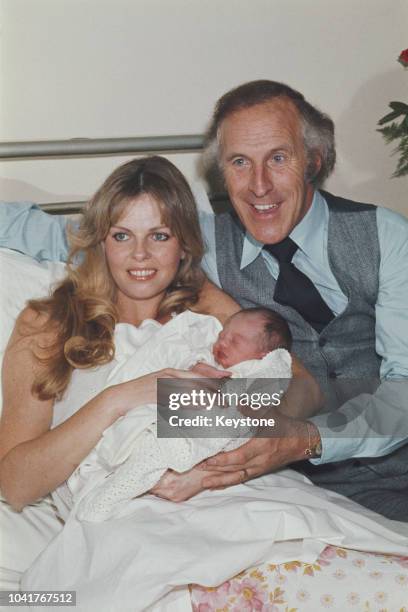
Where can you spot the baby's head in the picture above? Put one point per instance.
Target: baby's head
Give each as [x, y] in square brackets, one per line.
[251, 334]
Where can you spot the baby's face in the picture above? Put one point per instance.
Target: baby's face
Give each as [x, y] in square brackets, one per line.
[242, 338]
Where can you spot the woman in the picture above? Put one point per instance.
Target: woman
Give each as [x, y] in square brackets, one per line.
[140, 248]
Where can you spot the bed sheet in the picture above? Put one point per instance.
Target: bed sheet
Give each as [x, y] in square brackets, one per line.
[339, 579]
[23, 535]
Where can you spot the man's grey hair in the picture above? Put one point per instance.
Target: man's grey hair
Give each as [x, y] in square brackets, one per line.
[318, 128]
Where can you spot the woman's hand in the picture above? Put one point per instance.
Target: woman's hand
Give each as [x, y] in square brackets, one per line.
[180, 487]
[205, 369]
[143, 390]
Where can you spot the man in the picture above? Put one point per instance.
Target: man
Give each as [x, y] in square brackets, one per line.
[274, 150]
[336, 270]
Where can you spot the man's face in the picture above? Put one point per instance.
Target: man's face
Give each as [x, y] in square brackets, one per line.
[264, 164]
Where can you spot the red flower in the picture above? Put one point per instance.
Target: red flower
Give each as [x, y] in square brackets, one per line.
[403, 58]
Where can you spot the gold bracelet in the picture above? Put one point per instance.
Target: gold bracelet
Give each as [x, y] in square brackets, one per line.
[308, 450]
[312, 450]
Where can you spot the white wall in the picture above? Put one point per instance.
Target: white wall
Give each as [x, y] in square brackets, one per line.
[107, 68]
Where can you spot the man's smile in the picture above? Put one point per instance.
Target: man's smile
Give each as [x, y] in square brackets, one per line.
[264, 207]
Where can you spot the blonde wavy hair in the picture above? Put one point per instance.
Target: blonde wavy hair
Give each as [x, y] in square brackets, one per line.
[81, 311]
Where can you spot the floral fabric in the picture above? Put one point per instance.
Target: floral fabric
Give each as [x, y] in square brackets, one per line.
[340, 579]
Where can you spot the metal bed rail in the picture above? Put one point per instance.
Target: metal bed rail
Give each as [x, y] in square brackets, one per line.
[86, 147]
[219, 202]
[100, 146]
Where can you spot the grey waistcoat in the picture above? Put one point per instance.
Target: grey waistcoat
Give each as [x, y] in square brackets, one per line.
[344, 349]
[346, 346]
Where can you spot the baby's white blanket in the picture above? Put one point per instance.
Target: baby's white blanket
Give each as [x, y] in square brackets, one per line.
[130, 459]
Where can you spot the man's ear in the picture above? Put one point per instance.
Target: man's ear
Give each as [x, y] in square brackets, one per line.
[318, 162]
[314, 166]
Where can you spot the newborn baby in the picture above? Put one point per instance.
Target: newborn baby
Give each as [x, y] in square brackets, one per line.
[248, 334]
[130, 459]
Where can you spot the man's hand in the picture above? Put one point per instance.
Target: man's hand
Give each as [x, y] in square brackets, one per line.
[259, 455]
[180, 487]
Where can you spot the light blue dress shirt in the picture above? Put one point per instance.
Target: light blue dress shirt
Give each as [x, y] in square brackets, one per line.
[376, 424]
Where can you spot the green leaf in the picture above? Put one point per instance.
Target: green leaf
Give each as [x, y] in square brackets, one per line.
[399, 106]
[391, 132]
[389, 117]
[397, 131]
[402, 170]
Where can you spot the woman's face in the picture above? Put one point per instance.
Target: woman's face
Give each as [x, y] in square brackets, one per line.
[142, 254]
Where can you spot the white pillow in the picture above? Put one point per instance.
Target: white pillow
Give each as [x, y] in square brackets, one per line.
[22, 278]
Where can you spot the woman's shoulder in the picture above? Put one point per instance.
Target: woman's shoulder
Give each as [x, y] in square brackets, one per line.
[33, 329]
[31, 317]
[214, 301]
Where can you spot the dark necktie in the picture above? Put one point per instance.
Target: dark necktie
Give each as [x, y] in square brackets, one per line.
[295, 289]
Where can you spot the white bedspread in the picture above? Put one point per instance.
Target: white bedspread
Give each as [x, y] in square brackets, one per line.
[130, 562]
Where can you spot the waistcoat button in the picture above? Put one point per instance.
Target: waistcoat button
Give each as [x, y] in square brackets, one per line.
[322, 341]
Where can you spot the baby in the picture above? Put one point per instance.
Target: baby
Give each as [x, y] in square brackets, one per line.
[130, 459]
[249, 334]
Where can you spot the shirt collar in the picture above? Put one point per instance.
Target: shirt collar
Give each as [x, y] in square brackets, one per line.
[310, 234]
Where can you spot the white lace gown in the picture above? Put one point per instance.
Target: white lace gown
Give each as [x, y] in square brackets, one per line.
[151, 549]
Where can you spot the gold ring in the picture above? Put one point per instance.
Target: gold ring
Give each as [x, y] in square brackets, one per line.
[245, 475]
